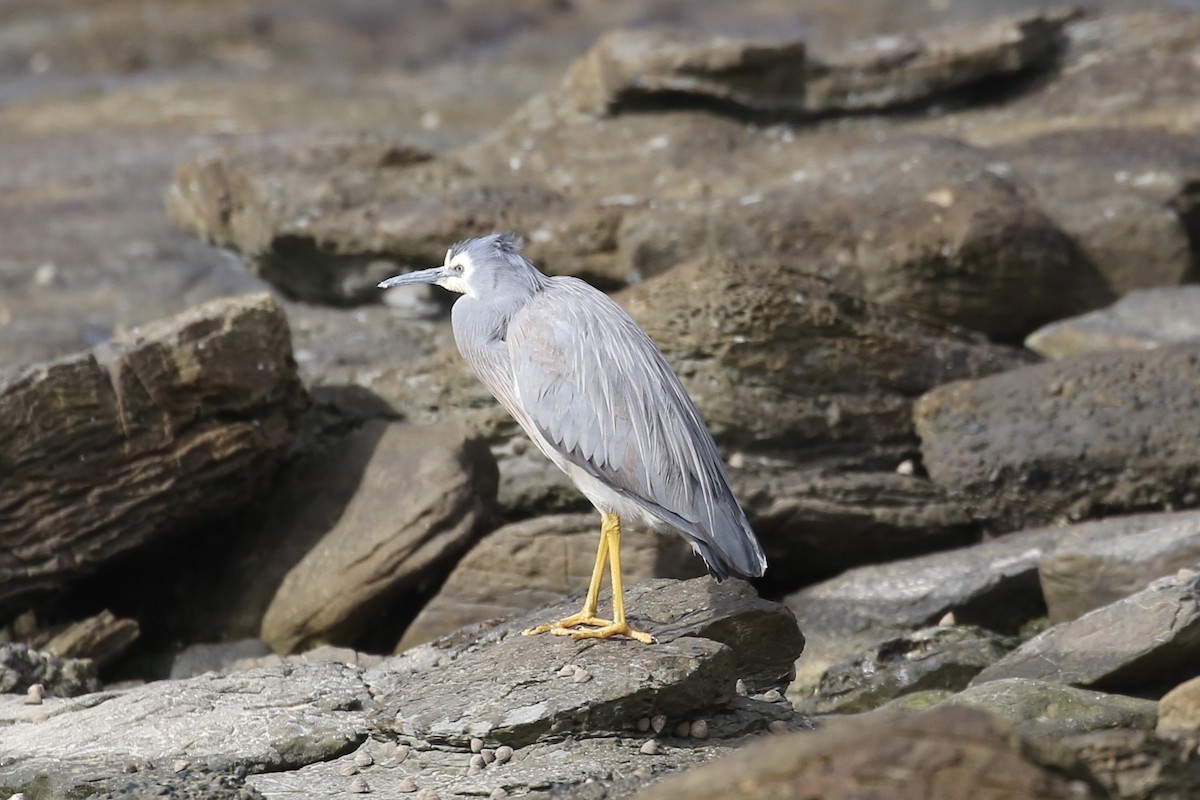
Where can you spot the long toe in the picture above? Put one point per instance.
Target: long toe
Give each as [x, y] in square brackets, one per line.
[607, 632]
[563, 626]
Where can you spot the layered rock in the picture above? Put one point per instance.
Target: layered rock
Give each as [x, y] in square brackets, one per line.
[181, 422]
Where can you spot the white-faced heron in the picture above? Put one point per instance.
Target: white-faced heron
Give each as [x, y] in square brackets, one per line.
[599, 399]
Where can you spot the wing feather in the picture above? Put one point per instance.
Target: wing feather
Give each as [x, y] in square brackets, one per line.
[597, 389]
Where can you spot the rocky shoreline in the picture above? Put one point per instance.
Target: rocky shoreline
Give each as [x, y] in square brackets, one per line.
[929, 274]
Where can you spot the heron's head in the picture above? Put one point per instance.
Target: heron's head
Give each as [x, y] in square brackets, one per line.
[478, 267]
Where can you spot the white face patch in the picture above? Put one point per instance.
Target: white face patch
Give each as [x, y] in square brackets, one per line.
[461, 268]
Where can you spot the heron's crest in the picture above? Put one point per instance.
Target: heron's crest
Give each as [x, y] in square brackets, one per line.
[505, 242]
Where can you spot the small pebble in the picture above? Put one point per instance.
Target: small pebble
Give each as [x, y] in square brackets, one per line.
[1079, 789]
[947, 619]
[129, 768]
[649, 747]
[772, 696]
[499, 793]
[359, 785]
[683, 729]
[477, 761]
[658, 722]
[699, 729]
[427, 794]
[401, 753]
[643, 772]
[406, 785]
[35, 694]
[503, 754]
[906, 467]
[567, 670]
[363, 759]
[17, 796]
[346, 770]
[777, 726]
[740, 688]
[179, 765]
[476, 745]
[643, 724]
[1185, 574]
[582, 676]
[489, 755]
[474, 770]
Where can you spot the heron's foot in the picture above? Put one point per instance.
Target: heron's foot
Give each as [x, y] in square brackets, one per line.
[606, 632]
[562, 627]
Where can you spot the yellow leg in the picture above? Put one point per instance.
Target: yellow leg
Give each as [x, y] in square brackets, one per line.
[588, 615]
[610, 551]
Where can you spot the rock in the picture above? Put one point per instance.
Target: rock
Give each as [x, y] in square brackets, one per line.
[1126, 195]
[181, 422]
[903, 70]
[1142, 319]
[530, 564]
[993, 584]
[776, 359]
[197, 659]
[661, 67]
[1023, 447]
[406, 499]
[940, 753]
[925, 225]
[1137, 643]
[101, 638]
[311, 724]
[1137, 763]
[1078, 578]
[1051, 710]
[509, 692]
[186, 785]
[301, 715]
[1179, 710]
[818, 521]
[21, 668]
[943, 658]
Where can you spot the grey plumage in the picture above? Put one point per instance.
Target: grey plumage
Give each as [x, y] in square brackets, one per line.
[595, 395]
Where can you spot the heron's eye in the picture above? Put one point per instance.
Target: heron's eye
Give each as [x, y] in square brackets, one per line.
[457, 268]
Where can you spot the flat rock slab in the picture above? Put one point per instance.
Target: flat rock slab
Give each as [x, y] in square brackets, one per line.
[993, 584]
[1140, 320]
[1084, 575]
[941, 754]
[533, 563]
[178, 423]
[1051, 710]
[267, 719]
[511, 691]
[1091, 435]
[1139, 643]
